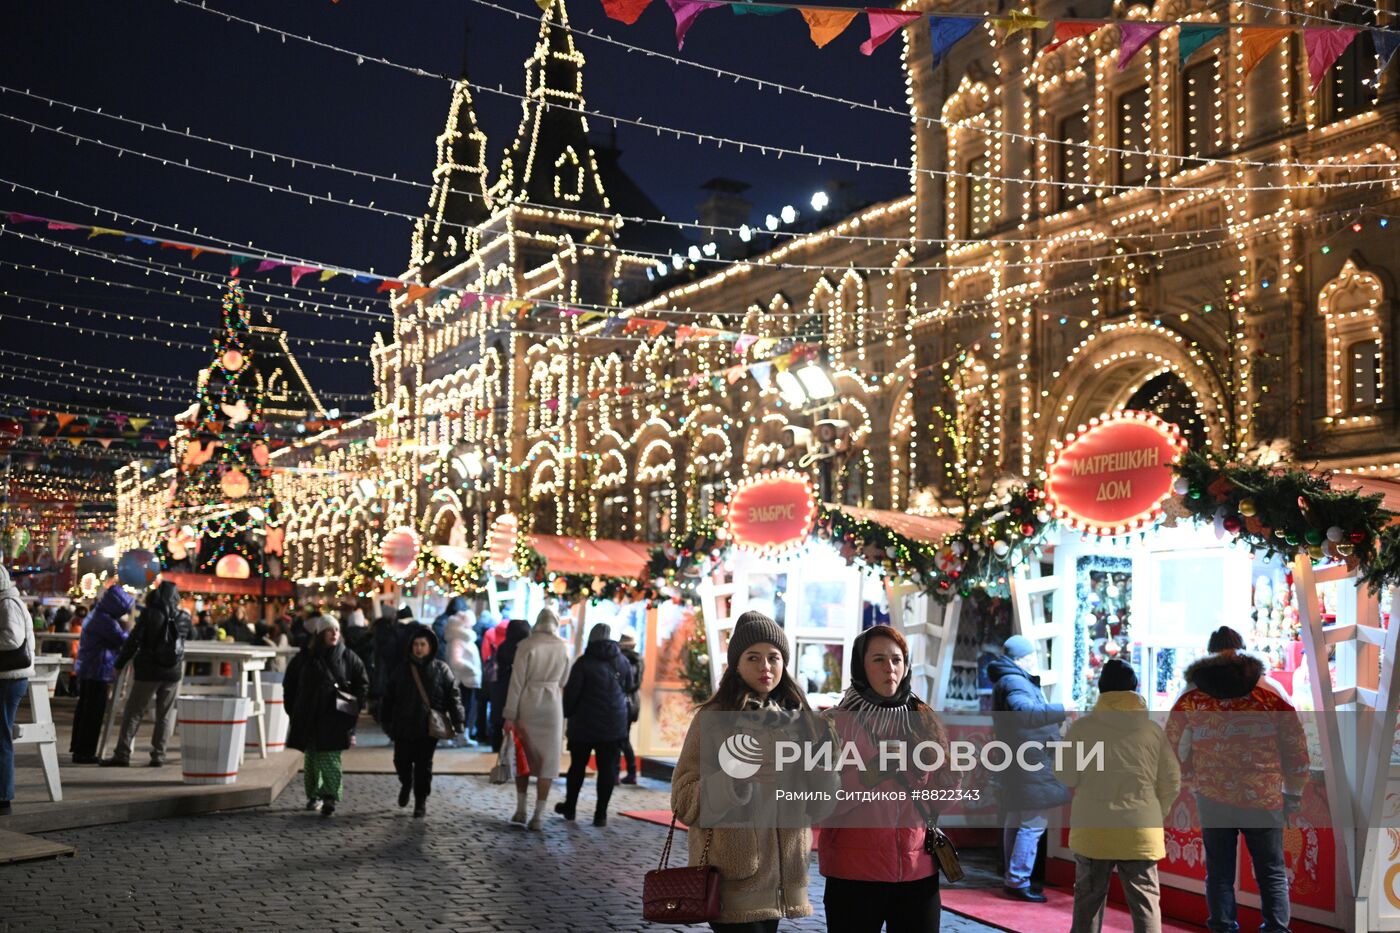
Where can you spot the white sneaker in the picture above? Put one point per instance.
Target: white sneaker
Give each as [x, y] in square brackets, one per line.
[519, 816]
[535, 824]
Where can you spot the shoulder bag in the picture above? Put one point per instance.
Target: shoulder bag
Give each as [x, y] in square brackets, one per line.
[438, 726]
[681, 895]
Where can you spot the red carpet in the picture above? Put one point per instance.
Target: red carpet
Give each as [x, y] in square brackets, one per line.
[659, 817]
[989, 905]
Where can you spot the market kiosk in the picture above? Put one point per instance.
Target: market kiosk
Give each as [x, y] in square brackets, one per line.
[1137, 572]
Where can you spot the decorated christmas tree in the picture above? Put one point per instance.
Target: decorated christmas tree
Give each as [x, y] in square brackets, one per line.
[222, 496]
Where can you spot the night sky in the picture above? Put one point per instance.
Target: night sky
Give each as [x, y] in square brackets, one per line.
[165, 63]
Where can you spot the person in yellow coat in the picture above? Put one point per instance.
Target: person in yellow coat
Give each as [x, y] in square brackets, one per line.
[1120, 805]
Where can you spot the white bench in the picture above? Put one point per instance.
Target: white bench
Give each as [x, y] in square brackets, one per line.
[41, 732]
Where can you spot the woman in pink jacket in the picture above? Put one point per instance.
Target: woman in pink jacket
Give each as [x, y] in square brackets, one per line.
[878, 872]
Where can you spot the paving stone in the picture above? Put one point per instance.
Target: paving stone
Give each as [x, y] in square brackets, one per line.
[464, 869]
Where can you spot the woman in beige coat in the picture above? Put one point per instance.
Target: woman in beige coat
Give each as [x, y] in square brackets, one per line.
[535, 710]
[763, 869]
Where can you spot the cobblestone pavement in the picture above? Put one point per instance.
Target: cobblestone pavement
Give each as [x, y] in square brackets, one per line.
[370, 867]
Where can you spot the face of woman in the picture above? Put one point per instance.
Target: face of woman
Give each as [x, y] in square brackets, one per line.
[761, 667]
[421, 648]
[884, 666]
[330, 637]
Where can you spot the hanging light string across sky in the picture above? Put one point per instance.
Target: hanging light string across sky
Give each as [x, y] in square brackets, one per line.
[301, 162]
[361, 58]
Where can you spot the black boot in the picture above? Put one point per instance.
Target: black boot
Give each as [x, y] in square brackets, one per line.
[404, 791]
[420, 808]
[564, 809]
[328, 806]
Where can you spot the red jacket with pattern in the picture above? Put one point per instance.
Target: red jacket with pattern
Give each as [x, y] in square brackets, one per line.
[1239, 741]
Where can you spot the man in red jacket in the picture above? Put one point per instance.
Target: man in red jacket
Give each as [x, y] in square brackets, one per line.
[1245, 755]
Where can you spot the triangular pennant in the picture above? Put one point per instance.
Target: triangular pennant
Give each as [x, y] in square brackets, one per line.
[625, 11]
[826, 25]
[762, 373]
[946, 32]
[299, 271]
[64, 420]
[1258, 42]
[883, 24]
[1018, 21]
[656, 328]
[685, 12]
[388, 285]
[1132, 37]
[236, 262]
[75, 441]
[1324, 47]
[683, 333]
[1386, 43]
[1067, 31]
[544, 5]
[1192, 36]
[103, 231]
[756, 9]
[418, 291]
[268, 264]
[741, 346]
[328, 274]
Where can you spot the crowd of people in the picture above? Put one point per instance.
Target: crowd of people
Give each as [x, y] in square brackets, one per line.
[505, 684]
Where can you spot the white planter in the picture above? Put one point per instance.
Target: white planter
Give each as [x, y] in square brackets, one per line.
[275, 715]
[211, 737]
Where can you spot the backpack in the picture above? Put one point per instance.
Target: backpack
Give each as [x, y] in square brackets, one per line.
[167, 646]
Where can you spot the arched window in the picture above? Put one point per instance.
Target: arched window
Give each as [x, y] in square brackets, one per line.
[1351, 307]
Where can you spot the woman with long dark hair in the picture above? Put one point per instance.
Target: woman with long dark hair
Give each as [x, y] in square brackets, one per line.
[516, 631]
[879, 872]
[763, 871]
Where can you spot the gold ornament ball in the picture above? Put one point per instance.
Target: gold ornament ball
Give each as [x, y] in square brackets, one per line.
[1247, 507]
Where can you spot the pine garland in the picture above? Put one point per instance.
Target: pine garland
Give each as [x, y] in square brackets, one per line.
[1286, 512]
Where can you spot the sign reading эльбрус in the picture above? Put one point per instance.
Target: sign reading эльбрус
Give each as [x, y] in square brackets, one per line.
[772, 512]
[1112, 477]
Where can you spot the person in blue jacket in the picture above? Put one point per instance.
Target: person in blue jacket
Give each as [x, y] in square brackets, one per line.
[1023, 716]
[103, 635]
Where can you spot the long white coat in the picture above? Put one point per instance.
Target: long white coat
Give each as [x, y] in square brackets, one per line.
[535, 699]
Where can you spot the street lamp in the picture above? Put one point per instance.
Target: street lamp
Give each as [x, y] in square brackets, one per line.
[805, 385]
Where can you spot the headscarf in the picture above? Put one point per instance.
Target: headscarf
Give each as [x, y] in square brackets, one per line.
[884, 715]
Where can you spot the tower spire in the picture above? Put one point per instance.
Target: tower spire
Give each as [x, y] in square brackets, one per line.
[551, 161]
[460, 199]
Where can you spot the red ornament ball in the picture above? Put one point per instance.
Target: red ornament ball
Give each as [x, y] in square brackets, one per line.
[1357, 537]
[1233, 524]
[1027, 529]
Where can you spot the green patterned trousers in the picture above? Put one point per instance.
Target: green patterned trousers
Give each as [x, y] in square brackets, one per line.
[322, 773]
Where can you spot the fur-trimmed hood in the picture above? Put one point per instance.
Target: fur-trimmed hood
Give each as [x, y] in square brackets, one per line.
[1226, 676]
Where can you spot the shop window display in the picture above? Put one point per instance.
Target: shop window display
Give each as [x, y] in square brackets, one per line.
[1103, 621]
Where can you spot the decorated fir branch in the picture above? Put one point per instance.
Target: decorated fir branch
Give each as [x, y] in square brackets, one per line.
[1285, 512]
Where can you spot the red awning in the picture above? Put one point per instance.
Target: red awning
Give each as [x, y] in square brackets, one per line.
[918, 527]
[600, 558]
[1371, 486]
[226, 586]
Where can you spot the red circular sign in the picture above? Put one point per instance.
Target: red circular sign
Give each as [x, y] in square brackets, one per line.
[772, 512]
[1113, 476]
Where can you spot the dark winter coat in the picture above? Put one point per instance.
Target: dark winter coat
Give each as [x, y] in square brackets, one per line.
[634, 696]
[388, 651]
[595, 698]
[403, 715]
[1024, 715]
[103, 636]
[162, 610]
[308, 690]
[454, 605]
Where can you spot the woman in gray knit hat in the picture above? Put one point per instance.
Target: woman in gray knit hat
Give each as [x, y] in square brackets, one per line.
[763, 875]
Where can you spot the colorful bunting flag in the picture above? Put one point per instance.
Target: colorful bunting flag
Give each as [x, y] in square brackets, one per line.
[102, 231]
[268, 264]
[625, 11]
[741, 346]
[1192, 36]
[1256, 43]
[1324, 46]
[1018, 21]
[328, 274]
[685, 12]
[946, 32]
[1067, 31]
[1132, 37]
[683, 333]
[388, 285]
[299, 271]
[826, 25]
[236, 262]
[418, 291]
[1386, 43]
[756, 9]
[883, 24]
